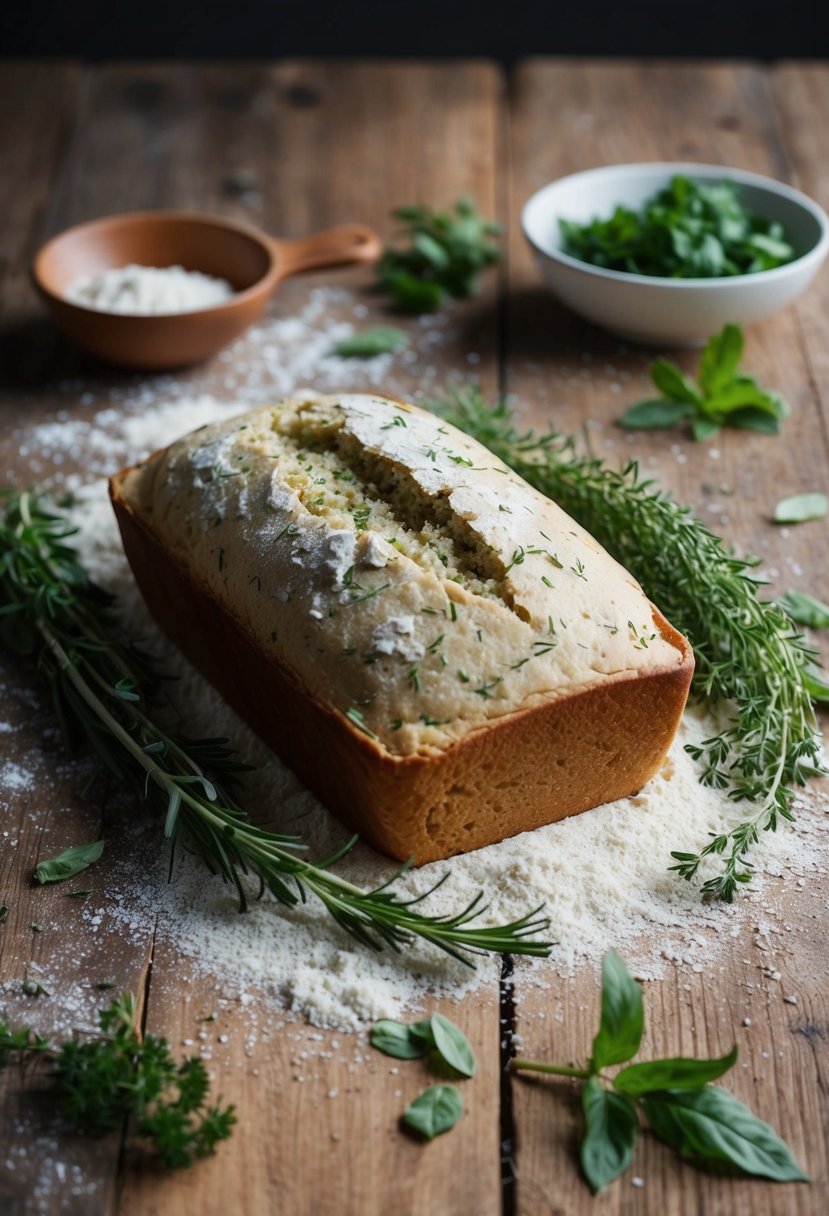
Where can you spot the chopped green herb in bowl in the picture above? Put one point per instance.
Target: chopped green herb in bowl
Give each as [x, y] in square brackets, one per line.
[687, 230]
[670, 253]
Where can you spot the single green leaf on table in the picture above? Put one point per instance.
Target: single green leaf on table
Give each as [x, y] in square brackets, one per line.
[381, 340]
[400, 1041]
[804, 609]
[677, 1073]
[656, 414]
[452, 1045]
[69, 863]
[711, 1125]
[435, 1111]
[611, 1126]
[622, 1018]
[800, 508]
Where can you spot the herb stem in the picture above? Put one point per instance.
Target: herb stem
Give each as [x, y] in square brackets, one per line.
[556, 1070]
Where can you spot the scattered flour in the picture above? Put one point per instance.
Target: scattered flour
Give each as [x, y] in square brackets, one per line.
[144, 291]
[603, 875]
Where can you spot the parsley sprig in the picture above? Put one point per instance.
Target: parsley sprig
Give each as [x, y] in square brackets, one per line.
[749, 656]
[106, 695]
[103, 1079]
[719, 397]
[437, 254]
[701, 1121]
[688, 230]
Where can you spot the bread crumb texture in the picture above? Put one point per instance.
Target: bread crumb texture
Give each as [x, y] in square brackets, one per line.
[404, 576]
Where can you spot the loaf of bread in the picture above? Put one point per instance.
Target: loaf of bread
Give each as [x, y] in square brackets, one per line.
[440, 653]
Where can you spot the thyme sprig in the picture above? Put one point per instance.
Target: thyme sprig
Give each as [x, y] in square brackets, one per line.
[750, 660]
[106, 693]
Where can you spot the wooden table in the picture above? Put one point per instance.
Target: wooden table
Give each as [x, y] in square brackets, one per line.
[342, 140]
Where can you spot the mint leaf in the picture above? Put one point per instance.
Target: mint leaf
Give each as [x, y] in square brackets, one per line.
[743, 391]
[381, 340]
[720, 359]
[452, 1045]
[800, 508]
[806, 610]
[677, 1073]
[611, 1126]
[69, 863]
[712, 1125]
[673, 383]
[401, 1042]
[435, 1111]
[655, 414]
[622, 1019]
[749, 418]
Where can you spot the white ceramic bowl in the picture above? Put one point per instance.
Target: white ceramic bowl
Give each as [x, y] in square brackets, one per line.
[676, 312]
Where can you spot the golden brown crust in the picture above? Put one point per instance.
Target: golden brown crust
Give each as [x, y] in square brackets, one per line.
[529, 768]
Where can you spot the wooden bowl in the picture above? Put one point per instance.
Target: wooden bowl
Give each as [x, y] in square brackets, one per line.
[252, 262]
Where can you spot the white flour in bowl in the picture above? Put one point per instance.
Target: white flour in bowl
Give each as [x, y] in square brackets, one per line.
[144, 291]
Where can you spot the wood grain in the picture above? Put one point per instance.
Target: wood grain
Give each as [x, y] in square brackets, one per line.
[571, 116]
[306, 144]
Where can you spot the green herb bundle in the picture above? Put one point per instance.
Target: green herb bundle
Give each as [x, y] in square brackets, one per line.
[689, 230]
[437, 254]
[721, 396]
[106, 1078]
[701, 1121]
[106, 696]
[749, 657]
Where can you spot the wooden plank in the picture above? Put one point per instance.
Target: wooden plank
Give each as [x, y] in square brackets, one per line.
[566, 117]
[315, 144]
[41, 807]
[337, 142]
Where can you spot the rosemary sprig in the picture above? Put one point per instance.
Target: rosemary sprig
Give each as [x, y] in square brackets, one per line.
[749, 658]
[106, 696]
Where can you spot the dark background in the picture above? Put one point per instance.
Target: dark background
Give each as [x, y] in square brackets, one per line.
[764, 29]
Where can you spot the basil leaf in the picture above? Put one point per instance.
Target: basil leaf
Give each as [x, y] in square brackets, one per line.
[720, 359]
[673, 383]
[816, 685]
[435, 1111]
[712, 1125]
[800, 508]
[704, 428]
[452, 1045]
[677, 1073]
[69, 863]
[611, 1125]
[622, 1020]
[381, 340]
[655, 414]
[805, 609]
[395, 1039]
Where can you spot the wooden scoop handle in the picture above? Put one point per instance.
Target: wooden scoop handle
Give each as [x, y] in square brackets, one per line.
[334, 247]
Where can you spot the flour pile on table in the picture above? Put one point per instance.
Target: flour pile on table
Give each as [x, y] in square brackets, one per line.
[603, 875]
